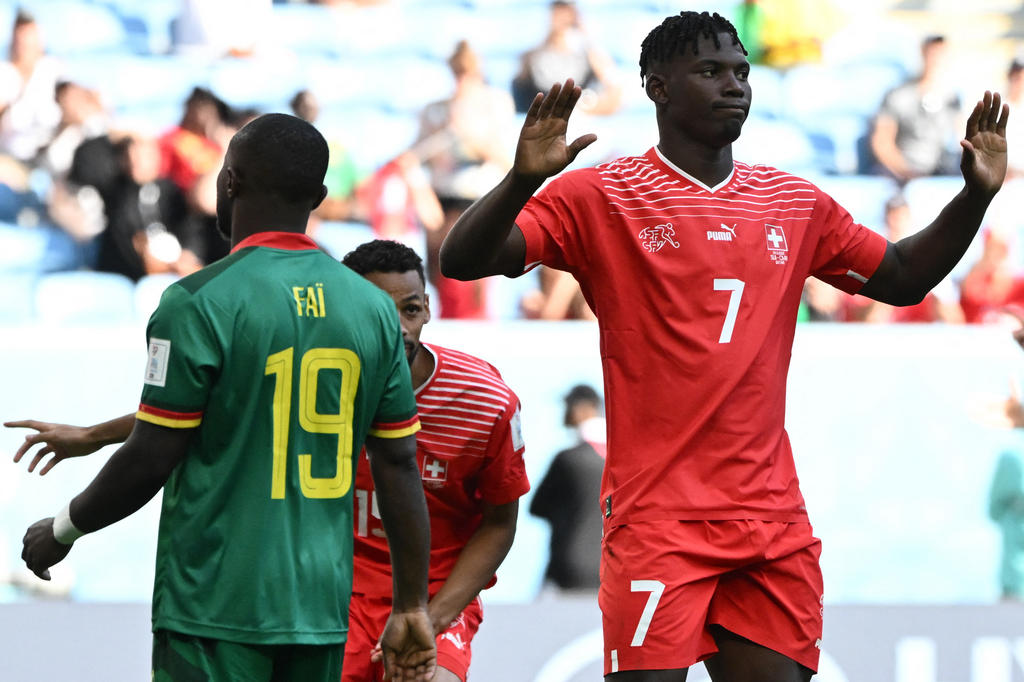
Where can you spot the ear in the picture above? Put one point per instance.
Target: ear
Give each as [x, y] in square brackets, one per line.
[656, 89]
[232, 184]
[323, 195]
[426, 307]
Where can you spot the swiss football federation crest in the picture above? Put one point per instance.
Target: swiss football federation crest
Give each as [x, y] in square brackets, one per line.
[435, 471]
[653, 238]
[778, 248]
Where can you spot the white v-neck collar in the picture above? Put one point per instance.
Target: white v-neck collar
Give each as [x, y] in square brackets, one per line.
[692, 179]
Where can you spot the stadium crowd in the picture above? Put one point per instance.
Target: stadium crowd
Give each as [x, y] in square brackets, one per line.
[116, 114]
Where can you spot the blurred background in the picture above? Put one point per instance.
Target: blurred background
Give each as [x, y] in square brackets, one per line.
[114, 115]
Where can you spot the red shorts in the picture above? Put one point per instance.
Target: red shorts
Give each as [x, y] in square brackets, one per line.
[366, 619]
[664, 583]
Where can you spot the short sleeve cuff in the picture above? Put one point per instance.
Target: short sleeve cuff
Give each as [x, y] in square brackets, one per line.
[395, 429]
[169, 418]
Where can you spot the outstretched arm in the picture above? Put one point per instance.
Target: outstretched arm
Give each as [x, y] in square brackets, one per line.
[484, 241]
[914, 265]
[129, 479]
[476, 564]
[64, 441]
[410, 652]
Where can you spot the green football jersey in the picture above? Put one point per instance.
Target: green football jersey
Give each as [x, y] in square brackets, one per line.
[283, 360]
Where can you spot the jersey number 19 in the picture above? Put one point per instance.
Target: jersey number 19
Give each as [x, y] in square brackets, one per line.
[313, 362]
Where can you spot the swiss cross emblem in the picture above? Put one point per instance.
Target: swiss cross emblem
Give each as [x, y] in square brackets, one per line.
[435, 470]
[778, 249]
[653, 238]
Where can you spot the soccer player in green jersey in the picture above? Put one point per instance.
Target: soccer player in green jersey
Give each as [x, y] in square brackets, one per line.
[266, 374]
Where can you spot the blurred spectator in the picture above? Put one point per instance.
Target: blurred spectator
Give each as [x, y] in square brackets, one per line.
[82, 117]
[942, 304]
[748, 18]
[567, 52]
[194, 147]
[342, 173]
[558, 298]
[149, 229]
[30, 114]
[820, 302]
[1015, 127]
[462, 145]
[1006, 500]
[569, 496]
[915, 130]
[399, 202]
[994, 282]
[790, 32]
[223, 28]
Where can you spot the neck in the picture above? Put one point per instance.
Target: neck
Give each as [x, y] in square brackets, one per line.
[710, 165]
[247, 222]
[422, 367]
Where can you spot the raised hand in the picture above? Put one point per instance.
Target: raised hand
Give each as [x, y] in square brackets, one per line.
[60, 440]
[983, 163]
[410, 651]
[542, 150]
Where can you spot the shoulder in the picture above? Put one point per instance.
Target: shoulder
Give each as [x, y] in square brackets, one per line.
[474, 374]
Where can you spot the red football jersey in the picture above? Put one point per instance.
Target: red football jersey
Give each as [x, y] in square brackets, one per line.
[470, 452]
[696, 290]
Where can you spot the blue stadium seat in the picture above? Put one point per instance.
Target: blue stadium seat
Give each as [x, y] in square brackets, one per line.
[768, 98]
[777, 143]
[373, 136]
[85, 298]
[148, 291]
[147, 24]
[864, 196]
[813, 89]
[128, 80]
[840, 141]
[311, 29]
[338, 238]
[254, 80]
[70, 27]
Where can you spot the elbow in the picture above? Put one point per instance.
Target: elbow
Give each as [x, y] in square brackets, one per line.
[454, 267]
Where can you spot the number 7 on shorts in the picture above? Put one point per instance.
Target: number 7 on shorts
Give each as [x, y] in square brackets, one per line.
[656, 588]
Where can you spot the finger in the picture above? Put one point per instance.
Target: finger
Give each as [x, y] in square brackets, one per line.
[49, 465]
[581, 143]
[25, 424]
[995, 108]
[534, 111]
[973, 119]
[562, 107]
[39, 457]
[549, 101]
[1004, 116]
[29, 441]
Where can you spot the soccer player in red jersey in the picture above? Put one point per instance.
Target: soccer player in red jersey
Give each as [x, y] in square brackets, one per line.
[470, 454]
[694, 264]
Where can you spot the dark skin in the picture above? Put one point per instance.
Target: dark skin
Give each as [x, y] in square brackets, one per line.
[701, 101]
[141, 466]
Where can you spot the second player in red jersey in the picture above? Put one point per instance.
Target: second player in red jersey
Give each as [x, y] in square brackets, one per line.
[470, 456]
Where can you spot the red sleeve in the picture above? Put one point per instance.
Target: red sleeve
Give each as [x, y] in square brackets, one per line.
[847, 253]
[549, 224]
[503, 478]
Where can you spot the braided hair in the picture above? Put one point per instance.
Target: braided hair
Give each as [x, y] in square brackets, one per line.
[679, 31]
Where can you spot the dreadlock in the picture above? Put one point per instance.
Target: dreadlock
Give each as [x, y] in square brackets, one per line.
[682, 30]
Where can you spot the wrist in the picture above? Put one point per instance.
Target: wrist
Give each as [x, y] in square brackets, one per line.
[64, 530]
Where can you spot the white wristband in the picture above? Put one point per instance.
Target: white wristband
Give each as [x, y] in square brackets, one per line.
[63, 530]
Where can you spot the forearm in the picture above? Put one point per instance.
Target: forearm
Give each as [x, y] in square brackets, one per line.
[113, 431]
[929, 255]
[123, 486]
[475, 567]
[403, 512]
[475, 246]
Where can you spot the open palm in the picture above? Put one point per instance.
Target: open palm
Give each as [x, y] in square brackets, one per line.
[984, 159]
[542, 150]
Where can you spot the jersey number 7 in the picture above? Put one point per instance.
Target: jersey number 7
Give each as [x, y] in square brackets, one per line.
[313, 362]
